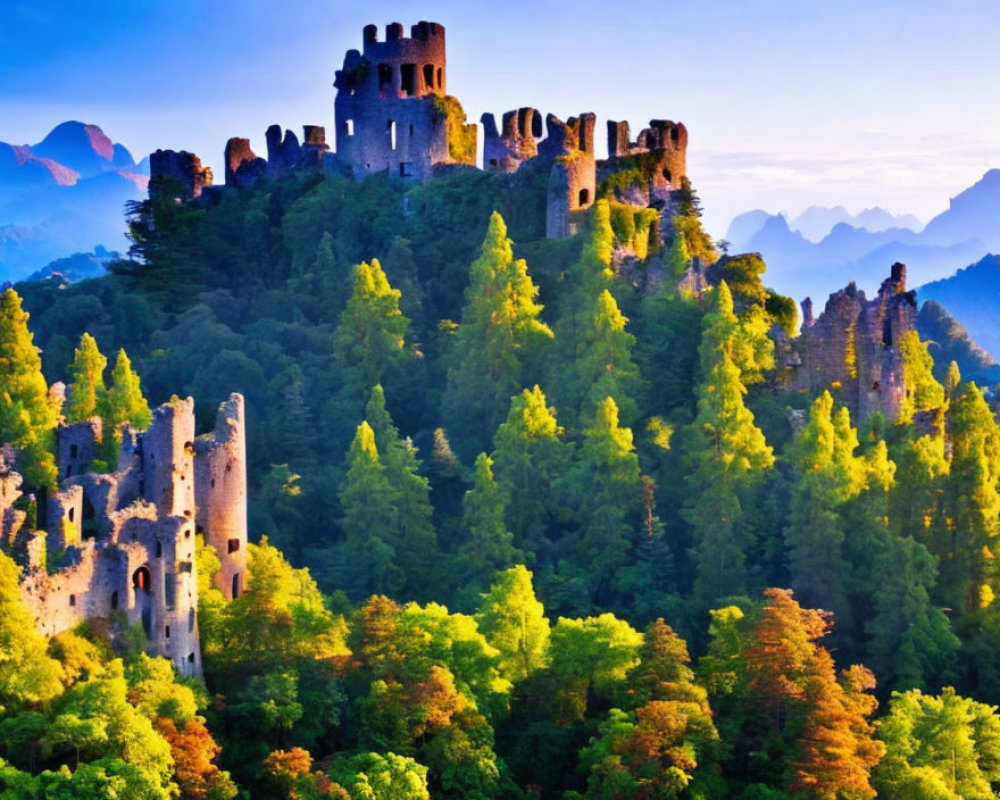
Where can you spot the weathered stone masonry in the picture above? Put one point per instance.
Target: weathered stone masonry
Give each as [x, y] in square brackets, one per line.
[126, 539]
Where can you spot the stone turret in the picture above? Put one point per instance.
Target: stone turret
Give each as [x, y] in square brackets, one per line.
[852, 347]
[391, 109]
[663, 148]
[221, 494]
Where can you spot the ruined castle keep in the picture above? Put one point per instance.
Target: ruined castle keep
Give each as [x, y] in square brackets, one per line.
[851, 348]
[392, 115]
[125, 541]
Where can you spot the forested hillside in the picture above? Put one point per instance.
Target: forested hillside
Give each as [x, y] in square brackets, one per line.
[538, 523]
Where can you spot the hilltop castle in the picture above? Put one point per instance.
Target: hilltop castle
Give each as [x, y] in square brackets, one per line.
[392, 114]
[124, 541]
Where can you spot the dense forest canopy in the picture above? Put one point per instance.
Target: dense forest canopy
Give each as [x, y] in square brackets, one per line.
[520, 506]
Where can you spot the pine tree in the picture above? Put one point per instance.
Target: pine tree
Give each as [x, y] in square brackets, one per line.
[125, 402]
[531, 459]
[490, 545]
[371, 519]
[606, 488]
[500, 331]
[828, 474]
[605, 367]
[27, 413]
[969, 577]
[370, 339]
[729, 454]
[85, 393]
[415, 541]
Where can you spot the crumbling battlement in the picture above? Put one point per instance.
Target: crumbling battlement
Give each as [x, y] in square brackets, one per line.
[392, 115]
[851, 348]
[392, 112]
[125, 541]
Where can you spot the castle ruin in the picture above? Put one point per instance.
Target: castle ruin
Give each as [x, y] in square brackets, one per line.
[124, 542]
[392, 115]
[852, 347]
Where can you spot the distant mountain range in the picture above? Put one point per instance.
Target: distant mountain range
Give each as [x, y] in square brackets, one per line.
[64, 195]
[861, 247]
[972, 296]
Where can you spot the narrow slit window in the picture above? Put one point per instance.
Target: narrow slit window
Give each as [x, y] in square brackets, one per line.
[390, 128]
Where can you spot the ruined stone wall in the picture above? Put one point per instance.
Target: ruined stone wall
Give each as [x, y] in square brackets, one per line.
[126, 540]
[851, 348]
[221, 494]
[11, 519]
[572, 187]
[184, 167]
[77, 445]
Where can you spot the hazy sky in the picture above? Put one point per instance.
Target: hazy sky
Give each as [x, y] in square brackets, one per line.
[788, 102]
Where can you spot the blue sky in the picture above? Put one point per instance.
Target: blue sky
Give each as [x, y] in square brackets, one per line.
[788, 102]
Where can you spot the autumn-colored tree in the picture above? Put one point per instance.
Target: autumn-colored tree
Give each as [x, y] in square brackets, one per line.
[194, 752]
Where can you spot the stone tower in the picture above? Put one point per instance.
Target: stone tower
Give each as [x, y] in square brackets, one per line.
[392, 111]
[220, 469]
[124, 542]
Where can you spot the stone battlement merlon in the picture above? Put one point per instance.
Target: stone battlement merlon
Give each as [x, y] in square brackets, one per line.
[400, 66]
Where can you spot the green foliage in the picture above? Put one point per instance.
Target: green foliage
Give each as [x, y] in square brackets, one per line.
[371, 776]
[86, 390]
[938, 747]
[513, 622]
[461, 137]
[27, 412]
[500, 328]
[922, 390]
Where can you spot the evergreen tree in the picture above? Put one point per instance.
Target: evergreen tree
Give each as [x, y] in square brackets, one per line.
[968, 571]
[606, 486]
[489, 547]
[27, 413]
[415, 540]
[124, 400]
[828, 474]
[371, 519]
[922, 390]
[370, 339]
[85, 393]
[531, 459]
[729, 454]
[605, 367]
[499, 333]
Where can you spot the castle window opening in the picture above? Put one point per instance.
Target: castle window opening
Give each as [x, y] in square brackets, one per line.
[166, 631]
[408, 76]
[233, 545]
[191, 619]
[114, 601]
[429, 77]
[72, 599]
[159, 549]
[348, 127]
[141, 579]
[190, 658]
[584, 197]
[236, 585]
[493, 162]
[405, 169]
[666, 174]
[411, 133]
[390, 127]
[213, 483]
[875, 386]
[73, 450]
[440, 83]
[69, 470]
[384, 77]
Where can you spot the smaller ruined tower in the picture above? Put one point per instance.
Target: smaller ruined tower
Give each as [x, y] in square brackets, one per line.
[221, 494]
[392, 111]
